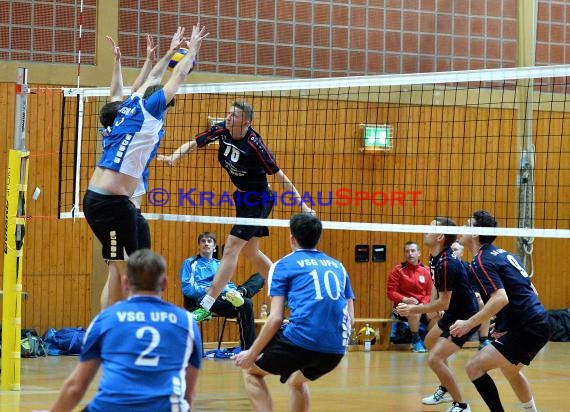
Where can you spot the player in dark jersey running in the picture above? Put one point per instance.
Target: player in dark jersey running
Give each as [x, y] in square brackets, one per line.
[248, 161]
[457, 300]
[522, 326]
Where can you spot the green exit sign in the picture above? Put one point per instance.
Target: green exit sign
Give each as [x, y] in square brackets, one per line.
[377, 136]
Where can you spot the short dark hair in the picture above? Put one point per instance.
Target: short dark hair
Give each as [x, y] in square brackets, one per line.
[145, 270]
[306, 229]
[108, 113]
[207, 234]
[445, 221]
[150, 90]
[245, 108]
[411, 242]
[482, 218]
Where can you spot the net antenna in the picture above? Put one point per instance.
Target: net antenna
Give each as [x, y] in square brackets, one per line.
[525, 87]
[79, 41]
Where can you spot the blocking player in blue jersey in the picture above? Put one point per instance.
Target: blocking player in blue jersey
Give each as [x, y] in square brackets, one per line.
[149, 349]
[522, 326]
[127, 150]
[320, 298]
[458, 301]
[247, 160]
[107, 116]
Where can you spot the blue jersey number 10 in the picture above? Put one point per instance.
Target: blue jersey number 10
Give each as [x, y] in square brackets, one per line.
[328, 276]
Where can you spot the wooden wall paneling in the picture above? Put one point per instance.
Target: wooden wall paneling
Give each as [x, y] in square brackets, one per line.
[32, 278]
[57, 267]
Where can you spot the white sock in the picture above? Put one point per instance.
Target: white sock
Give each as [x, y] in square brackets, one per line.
[207, 302]
[529, 406]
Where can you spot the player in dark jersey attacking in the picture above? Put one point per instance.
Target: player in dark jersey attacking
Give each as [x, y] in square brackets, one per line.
[248, 161]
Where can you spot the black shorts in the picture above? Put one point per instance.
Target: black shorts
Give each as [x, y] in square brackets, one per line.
[113, 219]
[444, 325]
[143, 231]
[521, 345]
[282, 357]
[253, 205]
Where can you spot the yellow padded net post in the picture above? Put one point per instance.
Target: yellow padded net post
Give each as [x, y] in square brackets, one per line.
[15, 220]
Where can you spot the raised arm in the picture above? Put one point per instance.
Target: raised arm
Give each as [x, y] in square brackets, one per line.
[116, 91]
[289, 186]
[186, 64]
[187, 147]
[148, 64]
[157, 72]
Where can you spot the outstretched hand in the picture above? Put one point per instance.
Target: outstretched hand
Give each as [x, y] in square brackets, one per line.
[116, 50]
[150, 49]
[177, 39]
[198, 34]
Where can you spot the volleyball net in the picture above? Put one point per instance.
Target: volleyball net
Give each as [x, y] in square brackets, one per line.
[385, 153]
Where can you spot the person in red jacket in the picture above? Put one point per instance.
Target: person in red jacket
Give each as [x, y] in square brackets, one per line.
[410, 282]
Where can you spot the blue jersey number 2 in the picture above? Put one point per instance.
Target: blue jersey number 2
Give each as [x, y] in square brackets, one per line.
[143, 359]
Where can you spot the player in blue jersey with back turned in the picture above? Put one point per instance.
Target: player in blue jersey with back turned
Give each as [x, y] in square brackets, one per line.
[149, 349]
[320, 298]
[522, 326]
[127, 150]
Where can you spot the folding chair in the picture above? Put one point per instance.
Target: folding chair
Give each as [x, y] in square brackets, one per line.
[191, 305]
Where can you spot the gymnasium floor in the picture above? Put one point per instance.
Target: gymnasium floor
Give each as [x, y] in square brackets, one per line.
[374, 381]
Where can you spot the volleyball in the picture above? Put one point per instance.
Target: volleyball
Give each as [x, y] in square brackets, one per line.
[363, 337]
[176, 58]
